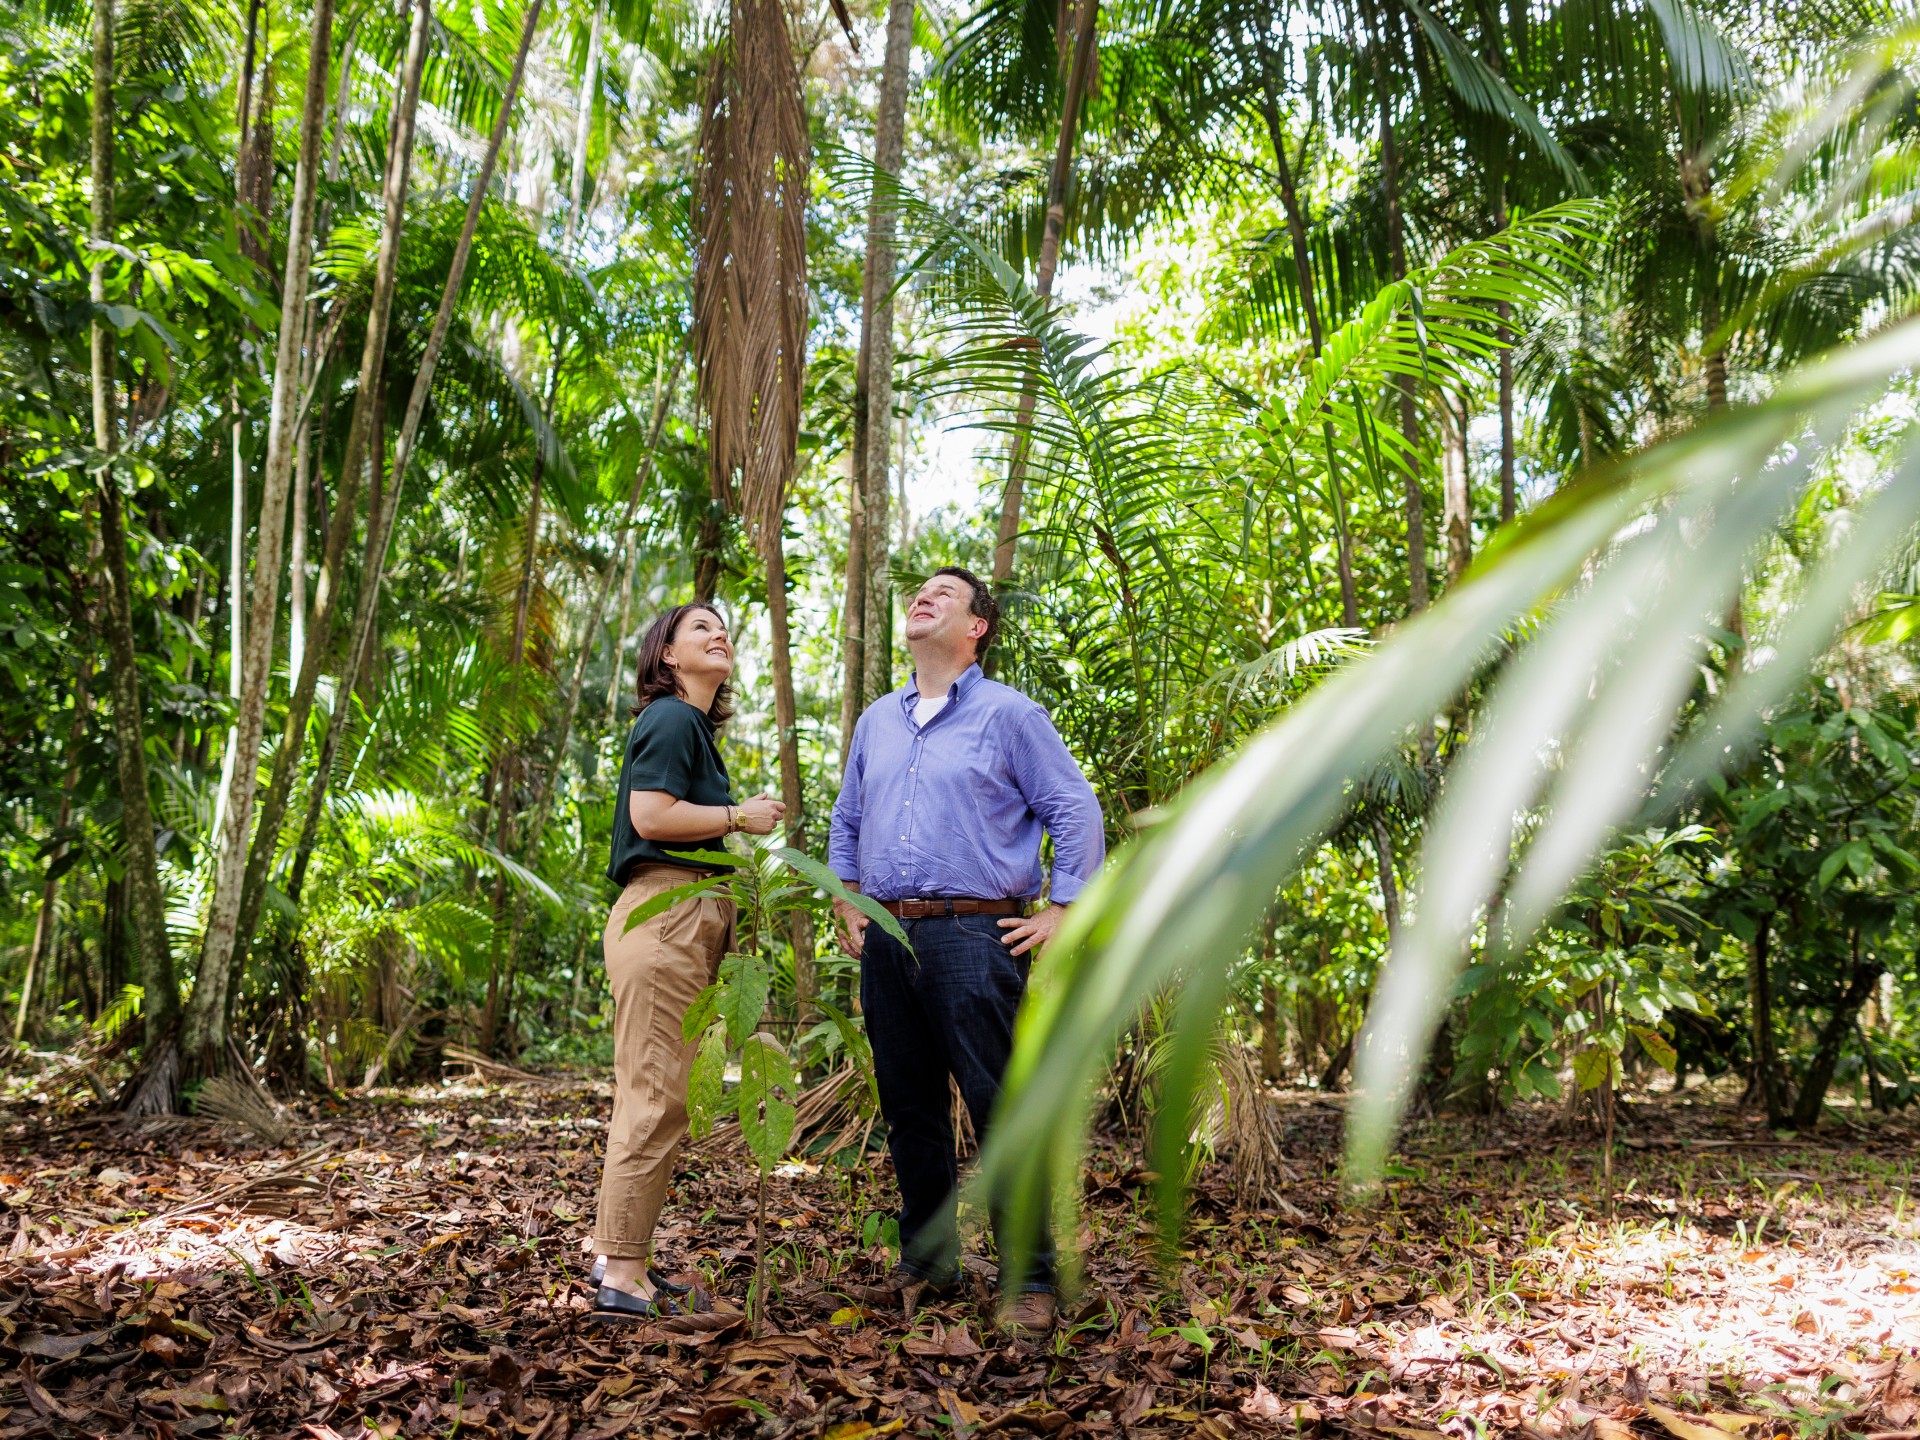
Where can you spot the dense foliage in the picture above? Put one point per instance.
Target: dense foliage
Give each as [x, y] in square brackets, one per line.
[1374, 282]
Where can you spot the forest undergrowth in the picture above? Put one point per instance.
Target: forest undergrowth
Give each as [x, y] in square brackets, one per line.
[410, 1264]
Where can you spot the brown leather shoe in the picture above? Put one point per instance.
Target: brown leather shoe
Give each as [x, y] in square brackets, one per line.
[1032, 1315]
[902, 1290]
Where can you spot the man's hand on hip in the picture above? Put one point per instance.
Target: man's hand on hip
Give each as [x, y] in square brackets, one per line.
[1033, 932]
[852, 927]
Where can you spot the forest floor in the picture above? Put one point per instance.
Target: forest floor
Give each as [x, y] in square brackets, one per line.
[408, 1264]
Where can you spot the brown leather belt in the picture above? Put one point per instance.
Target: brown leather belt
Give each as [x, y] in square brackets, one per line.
[944, 905]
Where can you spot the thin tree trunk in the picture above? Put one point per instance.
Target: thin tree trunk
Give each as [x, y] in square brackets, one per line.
[1272, 1068]
[583, 128]
[900, 495]
[629, 555]
[43, 925]
[1389, 890]
[1826, 1053]
[853, 623]
[1397, 263]
[204, 1023]
[1508, 499]
[297, 551]
[253, 199]
[504, 946]
[286, 759]
[875, 410]
[1456, 490]
[1765, 1085]
[161, 1006]
[708, 542]
[1289, 198]
[1078, 72]
[806, 980]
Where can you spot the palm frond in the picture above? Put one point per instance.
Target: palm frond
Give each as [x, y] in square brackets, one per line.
[1633, 570]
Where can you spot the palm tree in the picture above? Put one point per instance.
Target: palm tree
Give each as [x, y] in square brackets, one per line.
[749, 315]
[143, 869]
[869, 601]
[1590, 628]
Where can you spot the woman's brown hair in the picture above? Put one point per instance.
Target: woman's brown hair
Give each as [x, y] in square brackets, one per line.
[656, 679]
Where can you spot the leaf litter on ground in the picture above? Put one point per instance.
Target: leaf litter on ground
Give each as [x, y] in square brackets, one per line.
[410, 1265]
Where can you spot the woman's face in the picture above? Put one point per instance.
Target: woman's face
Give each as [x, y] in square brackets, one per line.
[700, 650]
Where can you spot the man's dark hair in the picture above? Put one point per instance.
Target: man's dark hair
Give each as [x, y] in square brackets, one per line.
[983, 604]
[656, 680]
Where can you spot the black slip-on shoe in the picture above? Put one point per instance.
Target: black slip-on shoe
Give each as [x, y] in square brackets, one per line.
[613, 1306]
[660, 1282]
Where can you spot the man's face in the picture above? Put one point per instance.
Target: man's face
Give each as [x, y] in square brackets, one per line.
[940, 614]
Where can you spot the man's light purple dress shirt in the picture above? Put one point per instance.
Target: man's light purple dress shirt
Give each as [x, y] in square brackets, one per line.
[956, 807]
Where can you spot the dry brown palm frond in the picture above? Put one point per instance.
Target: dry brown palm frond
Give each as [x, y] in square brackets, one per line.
[240, 1101]
[750, 264]
[1251, 1136]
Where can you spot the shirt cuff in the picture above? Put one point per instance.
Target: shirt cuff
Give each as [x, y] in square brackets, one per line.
[1064, 889]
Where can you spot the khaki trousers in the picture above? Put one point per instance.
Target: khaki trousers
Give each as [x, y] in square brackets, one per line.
[654, 971]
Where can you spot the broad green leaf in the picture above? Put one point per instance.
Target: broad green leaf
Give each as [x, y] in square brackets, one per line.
[706, 1084]
[1592, 1067]
[708, 857]
[747, 980]
[766, 1114]
[1659, 1049]
[666, 900]
[704, 1010]
[834, 886]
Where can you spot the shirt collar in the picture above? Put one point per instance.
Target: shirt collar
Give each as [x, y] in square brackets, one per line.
[969, 678]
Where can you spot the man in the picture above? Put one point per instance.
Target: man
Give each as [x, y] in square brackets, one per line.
[949, 783]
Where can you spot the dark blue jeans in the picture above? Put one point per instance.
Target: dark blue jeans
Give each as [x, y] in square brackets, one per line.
[947, 1012]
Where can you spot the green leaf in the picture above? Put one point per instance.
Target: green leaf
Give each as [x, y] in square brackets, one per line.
[766, 1116]
[667, 899]
[704, 1010]
[834, 886]
[747, 981]
[1592, 1067]
[706, 1084]
[707, 857]
[1659, 1049]
[854, 1037]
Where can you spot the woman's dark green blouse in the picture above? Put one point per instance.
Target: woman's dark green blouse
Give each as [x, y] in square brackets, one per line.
[670, 748]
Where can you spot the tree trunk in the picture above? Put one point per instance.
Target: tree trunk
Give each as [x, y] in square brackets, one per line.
[252, 164]
[1826, 1055]
[203, 1029]
[505, 942]
[1397, 263]
[297, 550]
[161, 1007]
[1508, 500]
[1389, 890]
[1716, 375]
[43, 925]
[1289, 198]
[287, 757]
[853, 621]
[875, 408]
[1272, 1070]
[1078, 72]
[806, 980]
[1765, 1084]
[707, 545]
[1456, 489]
[583, 128]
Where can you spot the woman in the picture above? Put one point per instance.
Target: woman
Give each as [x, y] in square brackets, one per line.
[674, 797]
